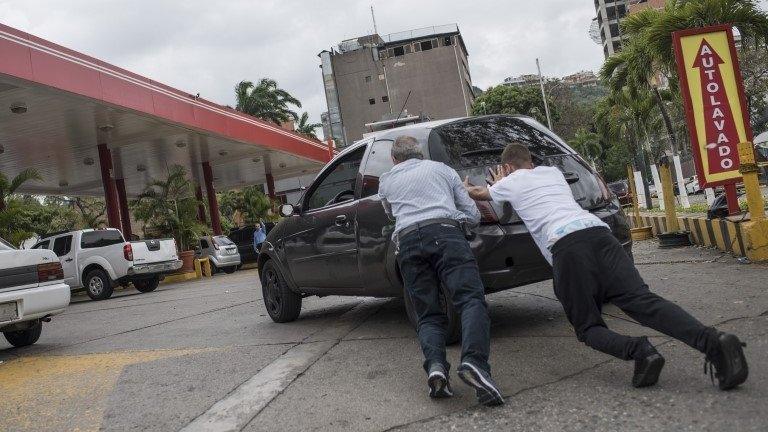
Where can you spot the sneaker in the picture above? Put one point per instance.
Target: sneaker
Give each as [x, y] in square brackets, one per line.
[487, 392]
[648, 365]
[439, 386]
[727, 356]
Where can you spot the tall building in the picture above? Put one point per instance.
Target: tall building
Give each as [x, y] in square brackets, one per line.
[371, 80]
[609, 12]
[521, 81]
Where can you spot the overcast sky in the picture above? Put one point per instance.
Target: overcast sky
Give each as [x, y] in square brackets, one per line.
[208, 46]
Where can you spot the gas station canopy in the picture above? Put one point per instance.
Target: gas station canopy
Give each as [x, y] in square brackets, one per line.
[58, 106]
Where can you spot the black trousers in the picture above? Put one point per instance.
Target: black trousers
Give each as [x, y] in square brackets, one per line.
[439, 254]
[590, 268]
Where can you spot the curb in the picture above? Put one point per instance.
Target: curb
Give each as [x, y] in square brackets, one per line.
[723, 234]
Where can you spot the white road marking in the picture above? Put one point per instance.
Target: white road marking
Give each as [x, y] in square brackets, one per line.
[244, 403]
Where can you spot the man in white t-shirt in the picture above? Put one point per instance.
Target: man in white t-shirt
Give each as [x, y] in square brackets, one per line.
[590, 268]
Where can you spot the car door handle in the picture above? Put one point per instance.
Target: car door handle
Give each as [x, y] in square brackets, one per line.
[68, 260]
[341, 220]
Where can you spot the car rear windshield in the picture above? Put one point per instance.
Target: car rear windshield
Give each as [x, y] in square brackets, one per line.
[95, 239]
[222, 241]
[480, 141]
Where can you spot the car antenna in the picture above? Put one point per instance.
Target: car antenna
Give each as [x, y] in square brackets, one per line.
[403, 108]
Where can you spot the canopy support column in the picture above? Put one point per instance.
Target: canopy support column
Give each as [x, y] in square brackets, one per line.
[110, 192]
[200, 206]
[213, 203]
[270, 186]
[125, 215]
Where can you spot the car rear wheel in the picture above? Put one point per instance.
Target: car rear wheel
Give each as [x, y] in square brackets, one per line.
[230, 269]
[98, 285]
[22, 338]
[147, 285]
[283, 305]
[453, 334]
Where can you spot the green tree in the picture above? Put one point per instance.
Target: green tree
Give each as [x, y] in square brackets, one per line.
[514, 100]
[250, 202]
[266, 101]
[168, 208]
[305, 127]
[587, 144]
[9, 187]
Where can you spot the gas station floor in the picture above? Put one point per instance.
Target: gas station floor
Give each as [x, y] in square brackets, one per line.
[204, 354]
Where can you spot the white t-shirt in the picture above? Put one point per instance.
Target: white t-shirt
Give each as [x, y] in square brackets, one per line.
[544, 201]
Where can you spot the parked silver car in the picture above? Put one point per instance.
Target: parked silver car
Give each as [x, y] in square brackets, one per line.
[221, 251]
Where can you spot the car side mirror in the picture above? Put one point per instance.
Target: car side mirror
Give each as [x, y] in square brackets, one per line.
[287, 210]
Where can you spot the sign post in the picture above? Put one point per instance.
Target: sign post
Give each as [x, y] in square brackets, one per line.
[715, 107]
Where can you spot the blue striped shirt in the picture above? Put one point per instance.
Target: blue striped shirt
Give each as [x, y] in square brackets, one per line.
[416, 190]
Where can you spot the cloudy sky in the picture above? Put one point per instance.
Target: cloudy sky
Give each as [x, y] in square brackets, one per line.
[207, 46]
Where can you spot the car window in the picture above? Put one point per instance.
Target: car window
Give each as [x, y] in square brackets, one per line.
[480, 141]
[62, 245]
[101, 238]
[340, 178]
[203, 244]
[42, 245]
[379, 161]
[222, 240]
[4, 245]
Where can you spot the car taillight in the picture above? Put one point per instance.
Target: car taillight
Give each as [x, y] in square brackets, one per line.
[128, 252]
[487, 215]
[49, 271]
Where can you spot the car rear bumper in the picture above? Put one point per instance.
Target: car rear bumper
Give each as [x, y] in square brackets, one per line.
[508, 257]
[36, 303]
[155, 268]
[225, 260]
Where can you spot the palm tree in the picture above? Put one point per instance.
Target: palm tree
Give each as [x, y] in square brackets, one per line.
[649, 48]
[266, 101]
[588, 144]
[168, 208]
[307, 128]
[8, 188]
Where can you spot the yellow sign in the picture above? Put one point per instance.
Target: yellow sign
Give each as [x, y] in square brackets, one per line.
[715, 107]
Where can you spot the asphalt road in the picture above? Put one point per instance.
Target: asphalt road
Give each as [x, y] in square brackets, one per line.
[204, 355]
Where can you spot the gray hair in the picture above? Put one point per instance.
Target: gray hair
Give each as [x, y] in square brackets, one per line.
[406, 147]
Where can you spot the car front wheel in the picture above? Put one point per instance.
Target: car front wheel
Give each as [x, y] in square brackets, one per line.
[283, 305]
[98, 285]
[26, 337]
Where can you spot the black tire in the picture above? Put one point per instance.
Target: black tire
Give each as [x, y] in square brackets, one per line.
[147, 285]
[453, 334]
[230, 269]
[22, 338]
[282, 304]
[98, 285]
[214, 269]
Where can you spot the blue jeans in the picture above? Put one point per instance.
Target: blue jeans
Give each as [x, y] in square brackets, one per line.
[439, 254]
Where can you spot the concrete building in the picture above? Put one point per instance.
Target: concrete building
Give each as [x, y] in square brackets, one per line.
[373, 78]
[582, 78]
[609, 12]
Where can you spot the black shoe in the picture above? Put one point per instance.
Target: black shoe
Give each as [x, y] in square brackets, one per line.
[439, 386]
[727, 357]
[648, 365]
[487, 392]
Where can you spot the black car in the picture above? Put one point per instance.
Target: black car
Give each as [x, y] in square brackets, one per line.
[243, 238]
[621, 189]
[337, 239]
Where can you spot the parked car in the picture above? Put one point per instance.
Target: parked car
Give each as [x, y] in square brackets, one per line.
[692, 185]
[97, 260]
[221, 252]
[621, 190]
[243, 238]
[337, 239]
[32, 290]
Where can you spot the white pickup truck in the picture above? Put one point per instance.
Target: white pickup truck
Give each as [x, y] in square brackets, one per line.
[31, 291]
[97, 260]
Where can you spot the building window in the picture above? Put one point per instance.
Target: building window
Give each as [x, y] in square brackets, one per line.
[398, 51]
[447, 41]
[381, 77]
[426, 45]
[385, 99]
[372, 101]
[367, 78]
[614, 29]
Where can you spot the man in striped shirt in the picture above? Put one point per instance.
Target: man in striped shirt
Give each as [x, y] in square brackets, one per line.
[428, 201]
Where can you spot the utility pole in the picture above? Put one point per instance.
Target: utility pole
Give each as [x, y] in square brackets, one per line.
[544, 96]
